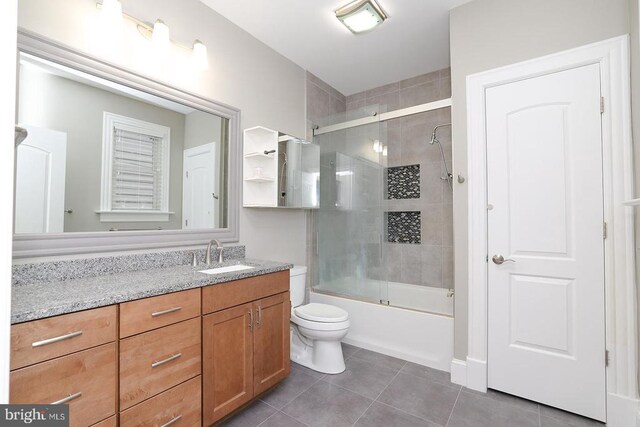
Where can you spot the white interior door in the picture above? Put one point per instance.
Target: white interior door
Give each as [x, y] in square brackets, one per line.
[200, 194]
[546, 321]
[40, 181]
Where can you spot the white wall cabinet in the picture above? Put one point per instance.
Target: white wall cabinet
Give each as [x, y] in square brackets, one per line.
[279, 170]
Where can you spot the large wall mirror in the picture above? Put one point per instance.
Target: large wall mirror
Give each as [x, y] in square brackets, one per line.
[110, 153]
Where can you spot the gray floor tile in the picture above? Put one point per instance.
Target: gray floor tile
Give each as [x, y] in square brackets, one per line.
[380, 415]
[441, 377]
[420, 397]
[325, 405]
[550, 414]
[349, 350]
[280, 419]
[473, 410]
[363, 377]
[381, 359]
[307, 371]
[251, 416]
[509, 399]
[296, 383]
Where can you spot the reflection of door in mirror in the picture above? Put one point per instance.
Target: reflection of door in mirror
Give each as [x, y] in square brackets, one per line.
[200, 194]
[40, 181]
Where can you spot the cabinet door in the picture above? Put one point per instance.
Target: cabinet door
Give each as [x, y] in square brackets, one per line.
[271, 358]
[227, 381]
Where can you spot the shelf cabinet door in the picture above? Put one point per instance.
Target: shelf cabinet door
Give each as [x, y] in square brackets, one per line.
[271, 358]
[227, 362]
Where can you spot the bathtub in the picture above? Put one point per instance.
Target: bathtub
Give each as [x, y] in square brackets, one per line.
[421, 332]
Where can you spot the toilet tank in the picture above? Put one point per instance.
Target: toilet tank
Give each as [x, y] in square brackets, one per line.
[297, 284]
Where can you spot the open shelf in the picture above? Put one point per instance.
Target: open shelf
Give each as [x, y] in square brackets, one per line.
[260, 179]
[259, 154]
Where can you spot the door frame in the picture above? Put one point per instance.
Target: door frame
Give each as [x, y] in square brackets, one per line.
[618, 176]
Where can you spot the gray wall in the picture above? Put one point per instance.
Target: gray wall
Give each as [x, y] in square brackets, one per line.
[243, 72]
[486, 34]
[429, 263]
[57, 103]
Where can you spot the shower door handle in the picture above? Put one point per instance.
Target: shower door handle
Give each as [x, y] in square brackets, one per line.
[499, 259]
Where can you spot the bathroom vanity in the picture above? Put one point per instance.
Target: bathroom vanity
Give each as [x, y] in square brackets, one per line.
[194, 355]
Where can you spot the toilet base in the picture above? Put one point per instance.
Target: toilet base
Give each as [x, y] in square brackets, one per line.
[321, 356]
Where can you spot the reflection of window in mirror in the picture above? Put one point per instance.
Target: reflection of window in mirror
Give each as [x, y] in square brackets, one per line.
[135, 170]
[101, 156]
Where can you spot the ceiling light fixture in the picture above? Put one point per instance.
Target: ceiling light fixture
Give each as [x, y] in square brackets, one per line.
[361, 15]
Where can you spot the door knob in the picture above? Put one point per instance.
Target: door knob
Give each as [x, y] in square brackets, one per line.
[499, 259]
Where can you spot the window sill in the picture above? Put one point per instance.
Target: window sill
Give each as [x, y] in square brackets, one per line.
[134, 216]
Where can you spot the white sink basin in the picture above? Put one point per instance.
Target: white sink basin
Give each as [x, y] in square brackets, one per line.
[226, 269]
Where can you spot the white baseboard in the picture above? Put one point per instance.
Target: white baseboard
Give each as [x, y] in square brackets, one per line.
[459, 372]
[477, 374]
[622, 411]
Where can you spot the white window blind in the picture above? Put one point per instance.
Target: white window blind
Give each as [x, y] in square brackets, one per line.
[137, 181]
[135, 170]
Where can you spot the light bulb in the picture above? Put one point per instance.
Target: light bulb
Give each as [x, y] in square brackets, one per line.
[160, 36]
[112, 12]
[200, 57]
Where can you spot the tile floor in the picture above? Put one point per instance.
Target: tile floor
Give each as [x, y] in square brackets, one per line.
[378, 390]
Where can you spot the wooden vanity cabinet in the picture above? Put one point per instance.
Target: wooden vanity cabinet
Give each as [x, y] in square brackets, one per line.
[188, 358]
[245, 347]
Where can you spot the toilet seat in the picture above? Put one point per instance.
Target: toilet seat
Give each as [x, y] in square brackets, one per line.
[324, 313]
[318, 326]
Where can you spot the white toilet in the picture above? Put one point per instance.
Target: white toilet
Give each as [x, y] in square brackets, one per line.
[316, 329]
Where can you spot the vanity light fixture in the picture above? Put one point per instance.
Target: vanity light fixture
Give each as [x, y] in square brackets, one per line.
[361, 15]
[200, 57]
[158, 34]
[112, 11]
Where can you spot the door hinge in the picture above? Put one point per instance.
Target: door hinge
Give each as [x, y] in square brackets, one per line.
[187, 174]
[601, 104]
[606, 358]
[486, 258]
[604, 230]
[186, 222]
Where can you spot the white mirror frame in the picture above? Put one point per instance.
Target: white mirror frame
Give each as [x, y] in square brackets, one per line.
[55, 244]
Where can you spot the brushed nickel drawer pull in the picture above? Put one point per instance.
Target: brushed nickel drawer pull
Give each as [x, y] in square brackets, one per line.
[56, 339]
[67, 399]
[171, 310]
[167, 360]
[175, 419]
[251, 320]
[259, 322]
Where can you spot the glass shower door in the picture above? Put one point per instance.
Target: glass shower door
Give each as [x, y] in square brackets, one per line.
[350, 217]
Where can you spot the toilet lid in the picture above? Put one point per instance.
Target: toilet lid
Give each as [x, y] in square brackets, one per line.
[321, 313]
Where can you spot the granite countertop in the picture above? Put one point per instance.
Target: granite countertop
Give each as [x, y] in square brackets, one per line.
[45, 299]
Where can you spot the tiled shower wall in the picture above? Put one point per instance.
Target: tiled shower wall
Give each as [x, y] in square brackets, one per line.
[429, 262]
[324, 104]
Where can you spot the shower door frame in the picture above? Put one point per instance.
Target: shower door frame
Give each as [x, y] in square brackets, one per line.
[620, 265]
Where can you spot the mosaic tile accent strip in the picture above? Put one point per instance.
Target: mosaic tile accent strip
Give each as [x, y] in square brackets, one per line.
[404, 227]
[403, 182]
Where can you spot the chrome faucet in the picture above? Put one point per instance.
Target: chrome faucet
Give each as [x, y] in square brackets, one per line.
[218, 244]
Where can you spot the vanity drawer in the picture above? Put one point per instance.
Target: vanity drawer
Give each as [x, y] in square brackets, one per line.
[40, 340]
[152, 362]
[152, 313]
[109, 422]
[181, 401]
[89, 375]
[225, 295]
